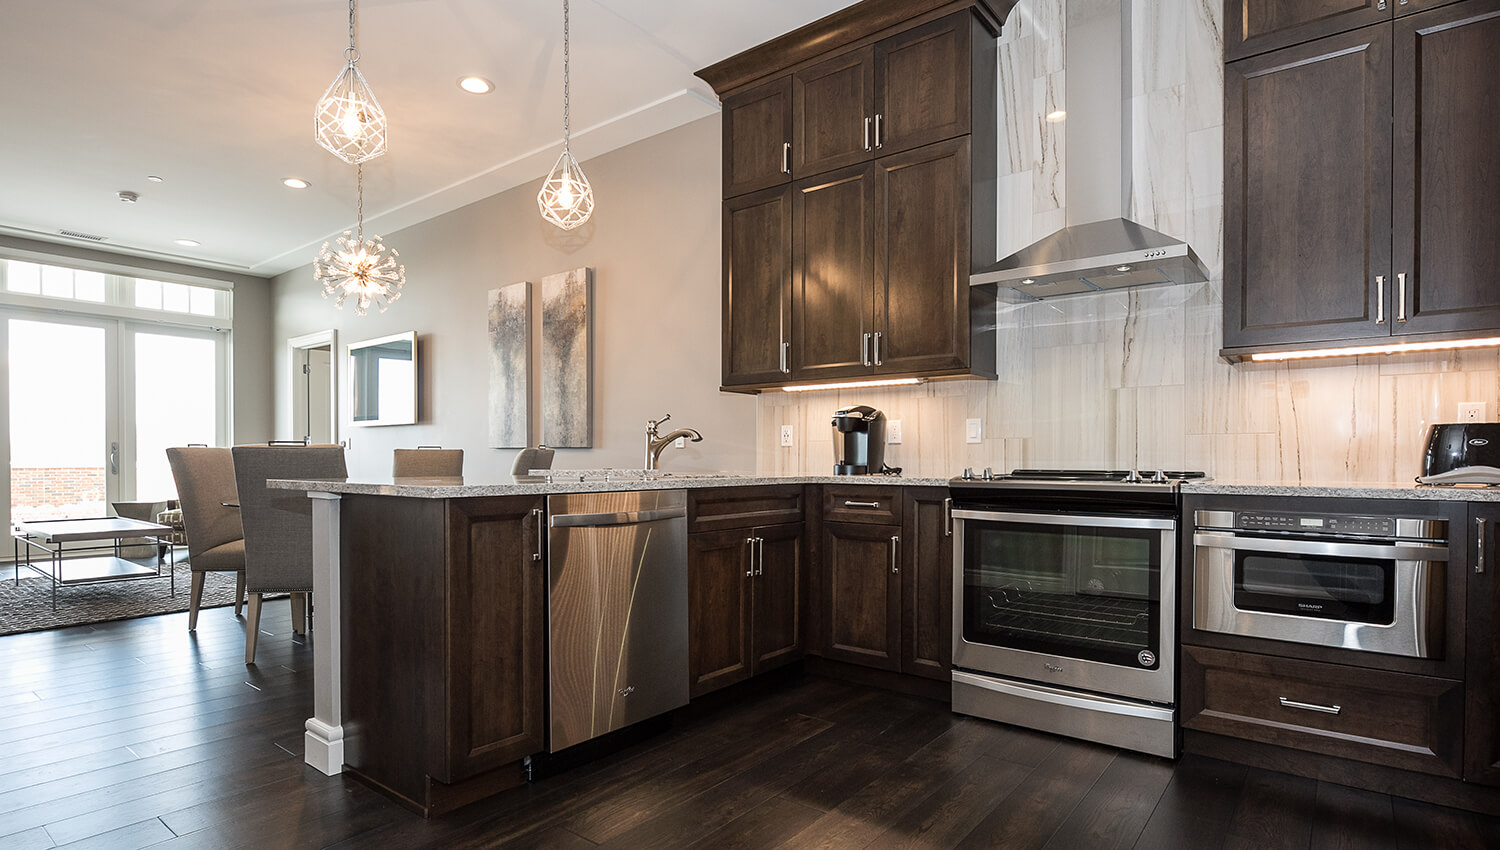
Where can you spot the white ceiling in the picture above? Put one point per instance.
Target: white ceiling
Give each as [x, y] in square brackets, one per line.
[216, 97]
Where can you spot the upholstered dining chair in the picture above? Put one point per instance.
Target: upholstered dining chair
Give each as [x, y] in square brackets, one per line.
[428, 462]
[278, 526]
[206, 492]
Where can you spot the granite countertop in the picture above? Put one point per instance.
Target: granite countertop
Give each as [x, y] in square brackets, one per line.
[1344, 490]
[458, 488]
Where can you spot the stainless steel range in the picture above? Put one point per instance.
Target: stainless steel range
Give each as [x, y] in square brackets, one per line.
[1064, 602]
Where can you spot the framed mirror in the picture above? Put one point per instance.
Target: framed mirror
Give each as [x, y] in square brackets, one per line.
[383, 380]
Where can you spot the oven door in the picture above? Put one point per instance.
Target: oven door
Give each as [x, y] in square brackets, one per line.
[1067, 600]
[1370, 596]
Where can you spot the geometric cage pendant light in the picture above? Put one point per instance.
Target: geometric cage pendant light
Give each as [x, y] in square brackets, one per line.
[566, 198]
[348, 121]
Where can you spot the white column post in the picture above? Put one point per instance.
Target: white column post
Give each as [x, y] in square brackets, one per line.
[323, 745]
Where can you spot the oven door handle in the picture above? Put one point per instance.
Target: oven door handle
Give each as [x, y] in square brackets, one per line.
[1163, 523]
[1326, 548]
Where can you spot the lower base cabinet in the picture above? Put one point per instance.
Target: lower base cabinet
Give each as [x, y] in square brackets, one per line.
[861, 586]
[744, 603]
[1482, 723]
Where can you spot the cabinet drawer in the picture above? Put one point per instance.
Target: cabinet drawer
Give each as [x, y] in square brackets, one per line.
[1395, 719]
[744, 507]
[866, 504]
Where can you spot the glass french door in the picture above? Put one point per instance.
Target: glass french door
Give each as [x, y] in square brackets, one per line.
[93, 404]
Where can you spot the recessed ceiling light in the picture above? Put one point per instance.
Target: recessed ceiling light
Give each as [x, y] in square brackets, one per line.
[1122, 268]
[188, 243]
[294, 183]
[153, 178]
[476, 85]
[1055, 117]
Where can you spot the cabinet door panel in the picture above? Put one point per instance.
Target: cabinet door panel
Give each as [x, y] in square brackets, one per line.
[862, 596]
[757, 286]
[1256, 26]
[718, 610]
[1447, 168]
[777, 620]
[927, 585]
[922, 84]
[1307, 192]
[757, 128]
[497, 597]
[832, 101]
[833, 247]
[922, 259]
[1482, 710]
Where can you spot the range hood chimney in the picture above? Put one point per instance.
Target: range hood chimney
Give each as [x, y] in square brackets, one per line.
[1106, 250]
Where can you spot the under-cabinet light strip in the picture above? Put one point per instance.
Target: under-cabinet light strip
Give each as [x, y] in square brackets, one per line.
[1392, 348]
[851, 385]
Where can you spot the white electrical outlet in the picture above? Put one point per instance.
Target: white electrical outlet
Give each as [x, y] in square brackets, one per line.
[786, 435]
[973, 430]
[1473, 411]
[893, 432]
[682, 442]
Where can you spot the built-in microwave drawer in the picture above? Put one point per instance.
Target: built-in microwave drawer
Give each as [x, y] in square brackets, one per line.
[1395, 719]
[874, 505]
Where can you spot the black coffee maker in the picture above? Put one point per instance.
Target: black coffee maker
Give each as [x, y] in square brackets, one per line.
[858, 441]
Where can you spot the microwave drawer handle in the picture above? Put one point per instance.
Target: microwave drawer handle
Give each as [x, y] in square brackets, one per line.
[1310, 706]
[1327, 548]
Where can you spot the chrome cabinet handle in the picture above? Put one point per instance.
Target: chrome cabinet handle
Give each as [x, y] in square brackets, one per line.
[848, 504]
[864, 351]
[785, 369]
[1479, 557]
[867, 132]
[750, 569]
[1310, 706]
[1380, 296]
[760, 556]
[895, 553]
[1401, 297]
[1381, 6]
[878, 142]
[947, 517]
[114, 458]
[541, 532]
[878, 361]
[786, 157]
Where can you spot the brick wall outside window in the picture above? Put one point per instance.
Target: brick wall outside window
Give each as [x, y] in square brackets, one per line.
[56, 492]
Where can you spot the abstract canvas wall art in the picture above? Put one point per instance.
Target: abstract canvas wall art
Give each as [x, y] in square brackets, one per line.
[567, 375]
[510, 366]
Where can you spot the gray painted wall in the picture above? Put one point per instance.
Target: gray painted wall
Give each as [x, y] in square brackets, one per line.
[251, 348]
[654, 245]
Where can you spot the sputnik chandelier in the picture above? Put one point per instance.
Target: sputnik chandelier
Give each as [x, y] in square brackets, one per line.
[359, 266]
[351, 125]
[566, 198]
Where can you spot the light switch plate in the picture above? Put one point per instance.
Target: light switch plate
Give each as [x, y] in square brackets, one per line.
[893, 432]
[973, 430]
[786, 435]
[1473, 411]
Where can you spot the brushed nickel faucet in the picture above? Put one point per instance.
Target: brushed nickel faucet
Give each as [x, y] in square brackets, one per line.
[657, 443]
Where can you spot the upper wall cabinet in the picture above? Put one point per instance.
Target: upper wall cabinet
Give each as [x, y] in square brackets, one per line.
[1258, 26]
[1360, 184]
[889, 144]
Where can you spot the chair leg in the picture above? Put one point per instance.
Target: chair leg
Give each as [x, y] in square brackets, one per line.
[195, 597]
[252, 627]
[299, 613]
[239, 592]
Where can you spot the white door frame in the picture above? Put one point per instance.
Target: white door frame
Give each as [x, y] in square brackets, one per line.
[316, 339]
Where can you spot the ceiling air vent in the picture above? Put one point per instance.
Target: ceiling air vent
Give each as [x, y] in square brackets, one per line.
[76, 235]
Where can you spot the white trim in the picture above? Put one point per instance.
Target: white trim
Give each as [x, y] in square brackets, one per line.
[114, 268]
[323, 744]
[316, 339]
[74, 307]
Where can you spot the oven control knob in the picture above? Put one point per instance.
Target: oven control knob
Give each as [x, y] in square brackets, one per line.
[989, 474]
[968, 473]
[1133, 477]
[1158, 477]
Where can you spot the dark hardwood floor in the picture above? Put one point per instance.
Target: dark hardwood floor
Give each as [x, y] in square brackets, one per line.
[137, 734]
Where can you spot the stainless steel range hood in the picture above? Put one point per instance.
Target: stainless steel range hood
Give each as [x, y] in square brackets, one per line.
[1099, 248]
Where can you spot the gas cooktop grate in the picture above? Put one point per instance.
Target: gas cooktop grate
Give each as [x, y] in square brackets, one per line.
[1096, 620]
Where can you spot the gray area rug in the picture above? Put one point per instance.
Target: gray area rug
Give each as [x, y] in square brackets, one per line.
[27, 607]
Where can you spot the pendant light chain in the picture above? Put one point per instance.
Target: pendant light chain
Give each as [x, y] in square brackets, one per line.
[354, 49]
[359, 179]
[565, 75]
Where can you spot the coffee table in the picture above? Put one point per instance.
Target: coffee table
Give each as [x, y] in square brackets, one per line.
[58, 537]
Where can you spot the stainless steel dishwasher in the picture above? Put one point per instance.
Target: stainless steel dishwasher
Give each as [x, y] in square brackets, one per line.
[617, 610]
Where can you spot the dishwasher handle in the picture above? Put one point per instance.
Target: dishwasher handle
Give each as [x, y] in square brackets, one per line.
[620, 518]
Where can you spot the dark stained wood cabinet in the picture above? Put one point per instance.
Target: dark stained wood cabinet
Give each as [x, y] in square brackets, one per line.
[1482, 721]
[445, 601]
[757, 286]
[833, 114]
[861, 585]
[922, 85]
[758, 138]
[1361, 180]
[926, 583]
[833, 274]
[1257, 26]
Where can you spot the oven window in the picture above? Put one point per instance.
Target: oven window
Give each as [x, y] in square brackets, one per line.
[1351, 590]
[1087, 593]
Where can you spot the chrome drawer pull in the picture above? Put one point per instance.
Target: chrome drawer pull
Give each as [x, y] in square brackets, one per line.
[895, 553]
[862, 504]
[1309, 706]
[1479, 558]
[786, 157]
[750, 570]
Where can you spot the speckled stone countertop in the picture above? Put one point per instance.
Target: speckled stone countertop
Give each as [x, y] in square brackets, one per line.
[1344, 490]
[458, 488]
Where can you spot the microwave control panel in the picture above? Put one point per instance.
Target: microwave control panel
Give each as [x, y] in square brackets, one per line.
[1365, 526]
